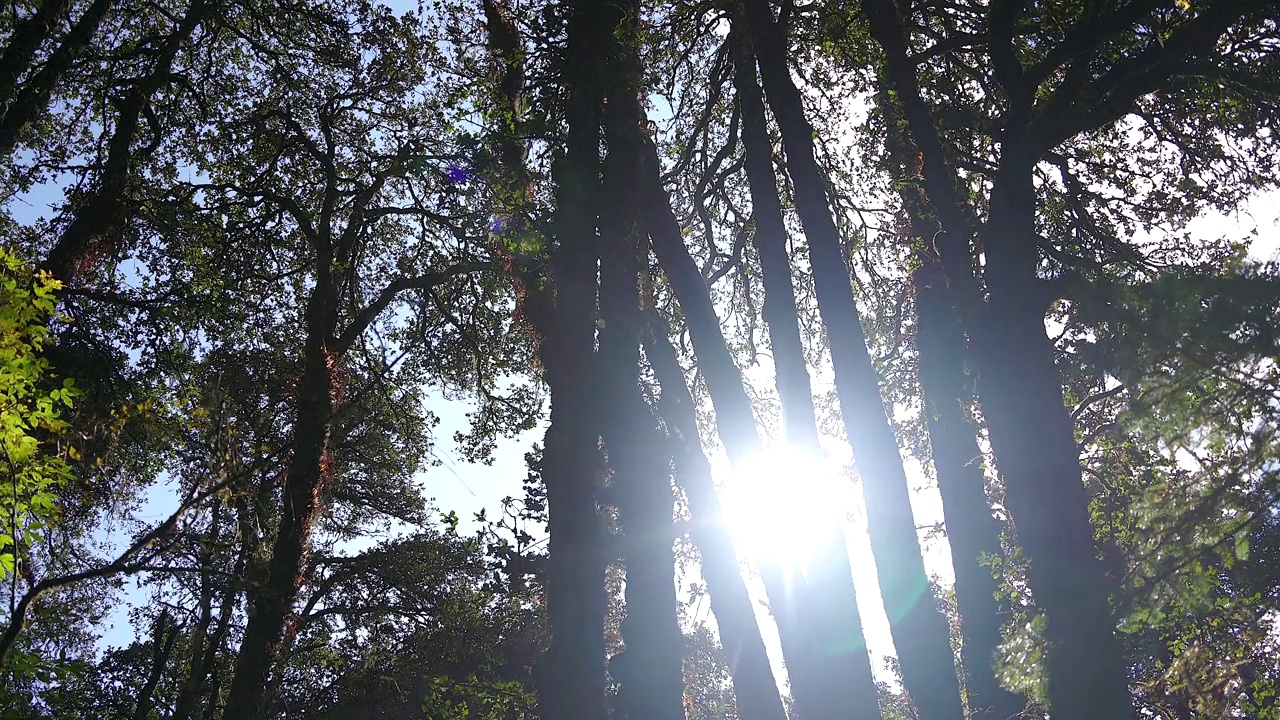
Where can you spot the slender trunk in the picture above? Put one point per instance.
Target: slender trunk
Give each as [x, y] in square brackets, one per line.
[946, 382]
[28, 35]
[206, 645]
[754, 684]
[200, 633]
[972, 532]
[651, 675]
[572, 675]
[736, 425]
[1021, 393]
[271, 603]
[162, 640]
[99, 224]
[832, 619]
[920, 631]
[32, 97]
[210, 678]
[1034, 441]
[780, 313]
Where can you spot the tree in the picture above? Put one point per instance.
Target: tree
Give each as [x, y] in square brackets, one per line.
[1032, 83]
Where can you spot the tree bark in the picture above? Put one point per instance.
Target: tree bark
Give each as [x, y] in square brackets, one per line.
[972, 532]
[832, 620]
[946, 383]
[1031, 431]
[650, 669]
[1034, 441]
[572, 675]
[754, 684]
[206, 645]
[271, 604]
[28, 35]
[921, 633]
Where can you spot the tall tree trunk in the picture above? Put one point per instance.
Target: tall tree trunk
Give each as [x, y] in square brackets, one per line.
[972, 532]
[32, 97]
[572, 675]
[921, 634]
[754, 684]
[832, 617]
[1034, 441]
[1021, 393]
[650, 669]
[736, 425]
[271, 603]
[946, 383]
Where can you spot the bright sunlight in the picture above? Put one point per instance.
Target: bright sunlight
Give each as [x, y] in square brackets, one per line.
[781, 509]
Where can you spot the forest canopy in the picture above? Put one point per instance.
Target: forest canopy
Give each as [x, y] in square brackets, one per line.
[898, 359]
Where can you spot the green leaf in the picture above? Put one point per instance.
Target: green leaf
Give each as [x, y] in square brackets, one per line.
[1242, 546]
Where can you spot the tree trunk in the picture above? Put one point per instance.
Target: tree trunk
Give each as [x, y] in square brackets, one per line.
[27, 36]
[754, 684]
[32, 97]
[572, 675]
[271, 603]
[200, 633]
[99, 224]
[736, 425]
[162, 640]
[206, 645]
[650, 669]
[946, 384]
[972, 532]
[921, 633]
[1034, 441]
[832, 619]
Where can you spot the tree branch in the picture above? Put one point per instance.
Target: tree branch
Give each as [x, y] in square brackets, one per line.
[389, 293]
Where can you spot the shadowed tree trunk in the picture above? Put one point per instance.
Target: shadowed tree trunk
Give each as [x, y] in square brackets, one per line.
[921, 633]
[839, 650]
[271, 603]
[972, 532]
[650, 669]
[162, 640]
[947, 383]
[572, 674]
[204, 619]
[754, 684]
[27, 36]
[1034, 441]
[1031, 431]
[561, 308]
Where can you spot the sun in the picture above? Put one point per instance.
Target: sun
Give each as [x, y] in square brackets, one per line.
[784, 506]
